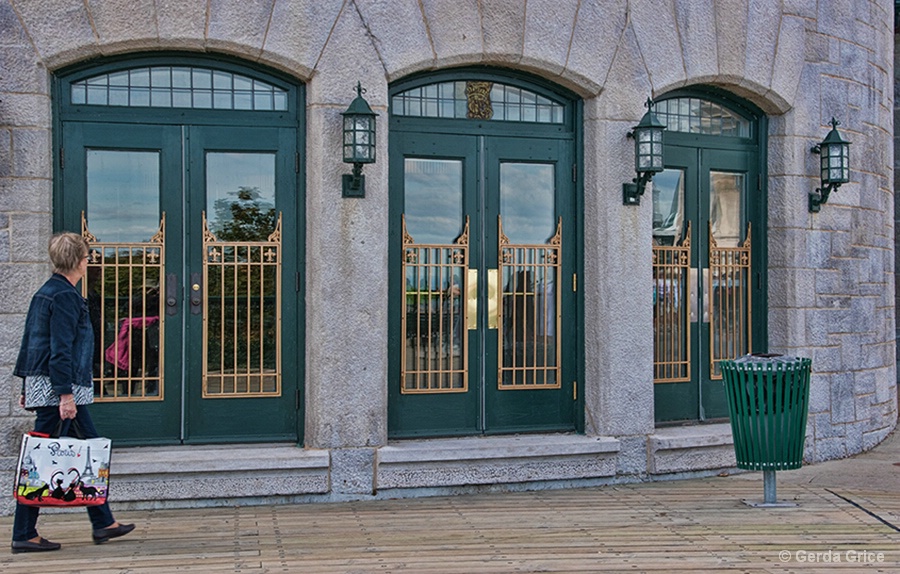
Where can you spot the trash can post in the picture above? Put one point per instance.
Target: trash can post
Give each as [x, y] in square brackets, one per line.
[768, 399]
[769, 495]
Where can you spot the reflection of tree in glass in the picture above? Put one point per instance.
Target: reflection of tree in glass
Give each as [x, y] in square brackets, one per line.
[245, 218]
[242, 319]
[242, 291]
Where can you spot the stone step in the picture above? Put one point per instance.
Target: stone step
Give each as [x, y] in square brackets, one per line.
[220, 475]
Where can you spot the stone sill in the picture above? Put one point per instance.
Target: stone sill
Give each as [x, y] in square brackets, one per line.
[492, 448]
[693, 436]
[674, 450]
[155, 460]
[458, 462]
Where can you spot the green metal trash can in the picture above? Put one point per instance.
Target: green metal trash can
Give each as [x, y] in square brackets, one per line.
[768, 401]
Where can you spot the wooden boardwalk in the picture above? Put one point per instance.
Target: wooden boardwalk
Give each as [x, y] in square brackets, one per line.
[668, 527]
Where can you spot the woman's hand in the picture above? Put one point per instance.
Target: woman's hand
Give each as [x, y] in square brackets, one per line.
[67, 408]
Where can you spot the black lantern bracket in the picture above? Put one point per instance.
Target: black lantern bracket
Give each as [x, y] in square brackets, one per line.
[820, 196]
[834, 166]
[632, 192]
[354, 184]
[648, 154]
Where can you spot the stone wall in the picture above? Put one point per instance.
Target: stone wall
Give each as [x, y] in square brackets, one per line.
[896, 167]
[831, 276]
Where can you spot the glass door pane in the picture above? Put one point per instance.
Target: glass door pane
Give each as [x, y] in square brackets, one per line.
[530, 243]
[675, 296]
[125, 269]
[729, 268]
[726, 213]
[435, 263]
[673, 279]
[242, 335]
[123, 191]
[668, 206]
[725, 284]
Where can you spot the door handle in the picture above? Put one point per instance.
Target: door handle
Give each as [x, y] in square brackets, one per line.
[196, 294]
[171, 294]
[699, 310]
[471, 299]
[493, 298]
[693, 293]
[707, 285]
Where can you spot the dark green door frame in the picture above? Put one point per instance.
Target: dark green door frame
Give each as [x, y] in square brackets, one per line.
[702, 398]
[183, 137]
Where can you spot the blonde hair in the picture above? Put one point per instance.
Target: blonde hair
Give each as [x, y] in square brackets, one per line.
[66, 250]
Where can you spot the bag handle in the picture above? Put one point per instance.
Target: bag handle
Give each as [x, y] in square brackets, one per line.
[62, 429]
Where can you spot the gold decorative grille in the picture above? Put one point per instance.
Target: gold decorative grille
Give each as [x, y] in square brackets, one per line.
[241, 316]
[671, 312]
[122, 292]
[529, 313]
[433, 321]
[479, 100]
[728, 283]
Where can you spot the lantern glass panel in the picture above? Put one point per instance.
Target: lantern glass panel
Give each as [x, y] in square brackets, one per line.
[657, 156]
[835, 164]
[648, 150]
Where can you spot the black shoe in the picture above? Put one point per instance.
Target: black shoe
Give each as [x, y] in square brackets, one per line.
[42, 545]
[102, 535]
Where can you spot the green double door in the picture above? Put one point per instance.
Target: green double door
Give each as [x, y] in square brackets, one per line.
[483, 242]
[706, 274]
[190, 286]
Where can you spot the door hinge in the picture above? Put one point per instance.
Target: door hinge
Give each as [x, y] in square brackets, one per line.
[297, 282]
[574, 173]
[296, 162]
[62, 158]
[574, 390]
[574, 282]
[297, 400]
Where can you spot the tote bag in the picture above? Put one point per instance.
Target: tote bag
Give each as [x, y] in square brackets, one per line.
[63, 471]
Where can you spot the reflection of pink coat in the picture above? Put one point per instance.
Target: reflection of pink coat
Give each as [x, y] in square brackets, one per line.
[119, 353]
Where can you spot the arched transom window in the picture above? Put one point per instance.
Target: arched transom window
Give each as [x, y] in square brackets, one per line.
[482, 100]
[179, 87]
[699, 116]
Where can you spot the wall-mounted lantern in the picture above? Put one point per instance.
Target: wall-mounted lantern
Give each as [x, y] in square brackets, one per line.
[359, 143]
[648, 154]
[834, 166]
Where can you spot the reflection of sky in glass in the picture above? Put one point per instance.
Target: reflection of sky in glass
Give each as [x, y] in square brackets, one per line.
[668, 189]
[527, 194]
[123, 195]
[226, 173]
[725, 207]
[433, 200]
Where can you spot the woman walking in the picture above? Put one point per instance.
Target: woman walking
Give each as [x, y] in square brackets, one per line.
[55, 361]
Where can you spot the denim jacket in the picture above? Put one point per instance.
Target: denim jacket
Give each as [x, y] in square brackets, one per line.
[58, 340]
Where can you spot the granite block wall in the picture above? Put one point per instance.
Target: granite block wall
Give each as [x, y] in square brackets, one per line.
[832, 291]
